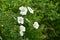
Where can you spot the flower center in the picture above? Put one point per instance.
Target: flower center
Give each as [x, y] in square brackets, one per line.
[21, 28]
[23, 10]
[35, 25]
[20, 20]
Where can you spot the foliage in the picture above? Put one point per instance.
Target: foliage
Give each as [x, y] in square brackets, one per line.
[46, 13]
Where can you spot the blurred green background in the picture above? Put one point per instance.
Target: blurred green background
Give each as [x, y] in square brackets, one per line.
[46, 13]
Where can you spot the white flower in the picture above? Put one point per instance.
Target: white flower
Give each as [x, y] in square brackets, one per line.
[22, 28]
[20, 20]
[36, 25]
[30, 10]
[23, 10]
[21, 33]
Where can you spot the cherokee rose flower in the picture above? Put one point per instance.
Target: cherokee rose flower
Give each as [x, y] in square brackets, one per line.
[20, 20]
[23, 10]
[22, 30]
[30, 10]
[36, 25]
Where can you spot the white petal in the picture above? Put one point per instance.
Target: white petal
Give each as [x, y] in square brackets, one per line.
[22, 28]
[36, 25]
[20, 8]
[21, 33]
[30, 10]
[20, 20]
